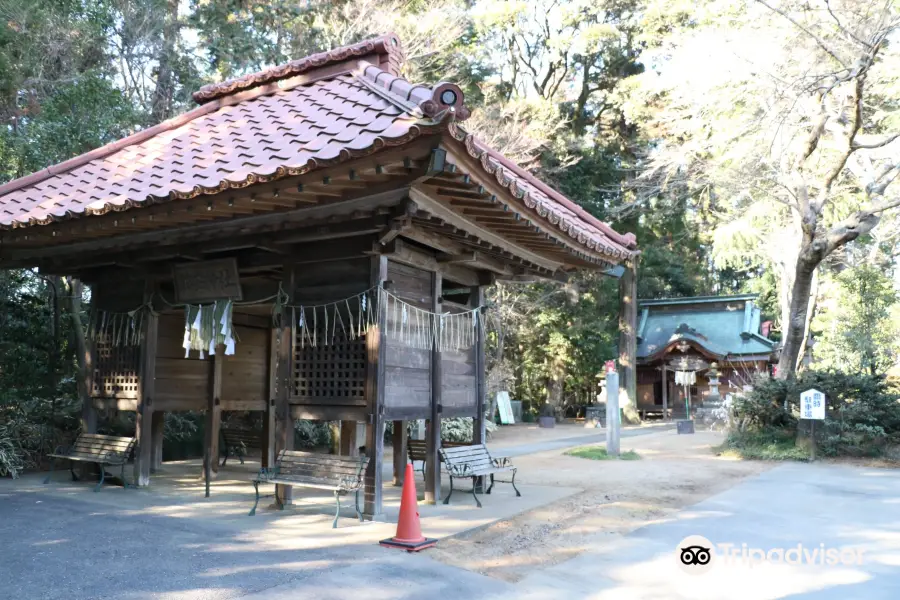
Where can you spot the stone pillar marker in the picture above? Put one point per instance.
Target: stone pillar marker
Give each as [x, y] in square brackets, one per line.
[613, 424]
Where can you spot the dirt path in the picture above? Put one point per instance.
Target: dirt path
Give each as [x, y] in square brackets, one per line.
[619, 496]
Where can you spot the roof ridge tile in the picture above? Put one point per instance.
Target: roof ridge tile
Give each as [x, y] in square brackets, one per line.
[387, 47]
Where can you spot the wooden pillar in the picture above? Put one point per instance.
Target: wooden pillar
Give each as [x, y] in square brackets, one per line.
[267, 455]
[157, 429]
[665, 392]
[479, 433]
[398, 444]
[213, 417]
[146, 392]
[628, 340]
[375, 349]
[349, 445]
[284, 421]
[433, 427]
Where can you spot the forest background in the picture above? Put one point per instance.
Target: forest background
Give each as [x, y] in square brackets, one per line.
[751, 146]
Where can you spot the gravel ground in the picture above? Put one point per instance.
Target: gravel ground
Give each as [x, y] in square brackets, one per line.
[675, 471]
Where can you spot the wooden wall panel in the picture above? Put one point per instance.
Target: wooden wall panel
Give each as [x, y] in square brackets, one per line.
[181, 383]
[245, 374]
[410, 284]
[458, 379]
[407, 392]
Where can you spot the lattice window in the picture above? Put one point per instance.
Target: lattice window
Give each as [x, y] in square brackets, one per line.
[115, 370]
[337, 370]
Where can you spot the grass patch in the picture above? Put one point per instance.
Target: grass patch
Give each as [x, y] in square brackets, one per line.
[599, 453]
[763, 445]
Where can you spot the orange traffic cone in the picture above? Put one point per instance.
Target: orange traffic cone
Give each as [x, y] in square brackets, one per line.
[409, 533]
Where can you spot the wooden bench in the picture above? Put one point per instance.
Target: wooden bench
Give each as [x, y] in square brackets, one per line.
[339, 474]
[235, 442]
[475, 462]
[416, 450]
[104, 450]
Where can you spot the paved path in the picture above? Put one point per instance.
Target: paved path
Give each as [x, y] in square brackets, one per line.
[813, 505]
[596, 436]
[67, 548]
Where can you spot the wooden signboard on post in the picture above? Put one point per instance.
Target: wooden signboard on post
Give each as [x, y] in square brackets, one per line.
[206, 281]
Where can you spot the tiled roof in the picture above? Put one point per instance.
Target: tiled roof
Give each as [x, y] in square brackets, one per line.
[547, 202]
[233, 145]
[288, 120]
[724, 326]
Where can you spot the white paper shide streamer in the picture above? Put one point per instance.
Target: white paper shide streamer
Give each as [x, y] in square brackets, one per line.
[206, 326]
[404, 323]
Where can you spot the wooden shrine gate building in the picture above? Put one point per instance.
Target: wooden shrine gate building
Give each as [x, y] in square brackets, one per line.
[295, 245]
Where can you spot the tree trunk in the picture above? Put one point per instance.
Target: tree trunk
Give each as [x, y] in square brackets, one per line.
[164, 92]
[813, 299]
[795, 328]
[83, 357]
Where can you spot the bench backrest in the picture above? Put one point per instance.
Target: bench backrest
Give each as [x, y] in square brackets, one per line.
[311, 467]
[248, 437]
[416, 449]
[467, 458]
[102, 447]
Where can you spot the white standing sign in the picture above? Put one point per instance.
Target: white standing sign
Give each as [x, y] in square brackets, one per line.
[812, 405]
[506, 413]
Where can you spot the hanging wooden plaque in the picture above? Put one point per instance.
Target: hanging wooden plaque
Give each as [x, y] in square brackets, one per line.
[206, 281]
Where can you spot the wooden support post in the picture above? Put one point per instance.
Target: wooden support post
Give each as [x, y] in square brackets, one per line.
[156, 438]
[146, 392]
[349, 445]
[665, 392]
[479, 433]
[433, 427]
[213, 418]
[375, 351]
[284, 422]
[267, 455]
[628, 340]
[398, 443]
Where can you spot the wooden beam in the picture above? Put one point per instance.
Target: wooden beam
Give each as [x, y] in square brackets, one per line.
[193, 233]
[405, 254]
[423, 198]
[451, 259]
[374, 389]
[451, 247]
[433, 427]
[146, 392]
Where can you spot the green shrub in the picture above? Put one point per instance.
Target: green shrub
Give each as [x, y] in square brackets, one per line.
[768, 444]
[311, 434]
[862, 416]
